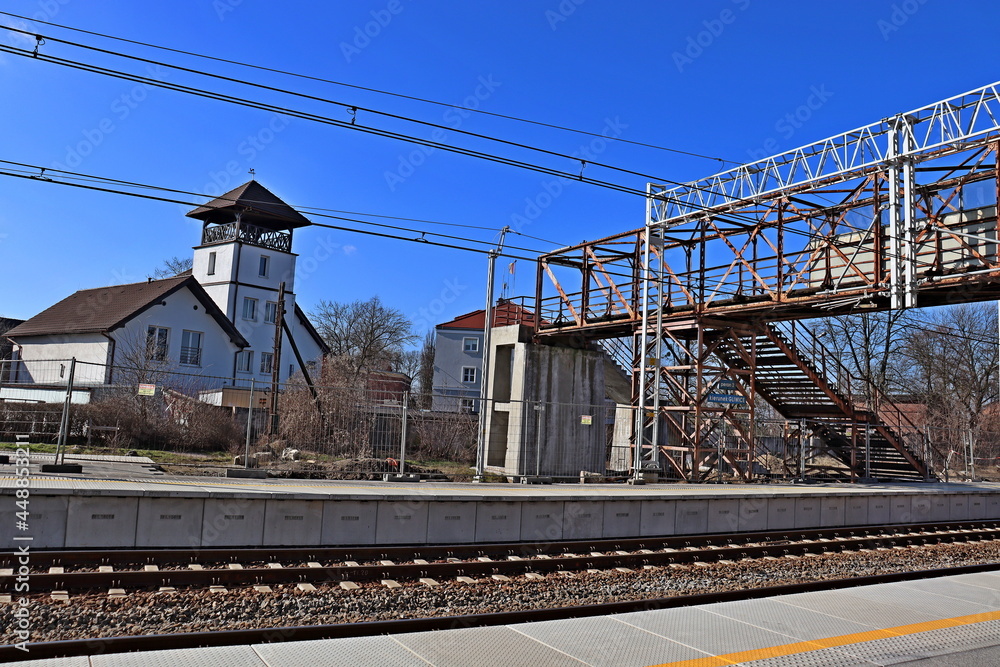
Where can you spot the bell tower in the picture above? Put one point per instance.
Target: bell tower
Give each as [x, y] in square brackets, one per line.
[244, 256]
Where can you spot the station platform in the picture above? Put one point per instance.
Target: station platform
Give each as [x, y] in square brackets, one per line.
[949, 621]
[124, 505]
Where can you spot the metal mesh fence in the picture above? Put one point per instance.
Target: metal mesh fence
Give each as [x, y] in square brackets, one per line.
[372, 416]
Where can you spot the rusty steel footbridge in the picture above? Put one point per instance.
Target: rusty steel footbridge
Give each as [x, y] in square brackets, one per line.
[703, 302]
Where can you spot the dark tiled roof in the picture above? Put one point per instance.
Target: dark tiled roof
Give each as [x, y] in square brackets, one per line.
[7, 323]
[257, 204]
[106, 308]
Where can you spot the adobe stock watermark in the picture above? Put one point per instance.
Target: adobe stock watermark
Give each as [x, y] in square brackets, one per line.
[47, 10]
[323, 250]
[428, 316]
[790, 123]
[254, 144]
[713, 28]
[223, 7]
[900, 14]
[22, 535]
[552, 189]
[364, 34]
[562, 12]
[408, 163]
[121, 108]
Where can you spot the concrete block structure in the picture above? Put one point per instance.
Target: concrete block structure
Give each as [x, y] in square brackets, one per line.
[548, 412]
[75, 514]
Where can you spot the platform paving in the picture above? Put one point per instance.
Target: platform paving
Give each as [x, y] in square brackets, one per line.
[931, 623]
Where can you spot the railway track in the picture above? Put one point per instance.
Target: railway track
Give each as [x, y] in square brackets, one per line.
[121, 570]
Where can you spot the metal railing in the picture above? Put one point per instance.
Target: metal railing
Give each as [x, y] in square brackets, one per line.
[191, 356]
[826, 363]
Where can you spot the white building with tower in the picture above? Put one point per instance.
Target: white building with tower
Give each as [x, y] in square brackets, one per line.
[224, 319]
[246, 264]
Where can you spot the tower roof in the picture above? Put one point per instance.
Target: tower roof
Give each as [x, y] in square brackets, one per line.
[256, 204]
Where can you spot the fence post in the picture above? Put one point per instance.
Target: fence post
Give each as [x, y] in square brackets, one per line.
[539, 416]
[64, 423]
[868, 451]
[802, 449]
[927, 455]
[246, 453]
[402, 437]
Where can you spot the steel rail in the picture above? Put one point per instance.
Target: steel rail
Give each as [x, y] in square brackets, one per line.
[82, 647]
[788, 544]
[164, 556]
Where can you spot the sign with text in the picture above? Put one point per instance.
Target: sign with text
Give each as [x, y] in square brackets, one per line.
[726, 398]
[147, 390]
[586, 420]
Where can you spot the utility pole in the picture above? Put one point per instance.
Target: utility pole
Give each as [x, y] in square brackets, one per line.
[279, 317]
[485, 373]
[246, 451]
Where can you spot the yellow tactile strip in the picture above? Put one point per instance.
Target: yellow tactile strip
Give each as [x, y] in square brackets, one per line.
[831, 642]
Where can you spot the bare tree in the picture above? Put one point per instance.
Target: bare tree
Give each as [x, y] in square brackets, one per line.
[368, 333]
[172, 418]
[172, 267]
[954, 371]
[425, 374]
[870, 344]
[408, 363]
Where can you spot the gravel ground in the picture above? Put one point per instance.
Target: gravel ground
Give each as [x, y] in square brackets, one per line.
[94, 615]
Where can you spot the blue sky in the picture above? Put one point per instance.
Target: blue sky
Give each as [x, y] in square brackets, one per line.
[734, 79]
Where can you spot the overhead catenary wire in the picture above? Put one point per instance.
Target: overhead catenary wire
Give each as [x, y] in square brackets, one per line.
[353, 108]
[172, 200]
[260, 105]
[368, 89]
[322, 119]
[35, 171]
[347, 106]
[351, 125]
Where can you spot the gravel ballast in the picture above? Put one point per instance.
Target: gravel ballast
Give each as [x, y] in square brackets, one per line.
[94, 615]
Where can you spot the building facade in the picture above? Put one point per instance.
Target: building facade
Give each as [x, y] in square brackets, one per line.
[458, 356]
[219, 322]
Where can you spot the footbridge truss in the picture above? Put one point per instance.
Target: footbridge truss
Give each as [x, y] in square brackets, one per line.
[897, 214]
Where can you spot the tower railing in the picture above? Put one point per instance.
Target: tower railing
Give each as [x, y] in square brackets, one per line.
[249, 234]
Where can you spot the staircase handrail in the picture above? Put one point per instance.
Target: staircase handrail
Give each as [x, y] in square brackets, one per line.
[794, 333]
[619, 351]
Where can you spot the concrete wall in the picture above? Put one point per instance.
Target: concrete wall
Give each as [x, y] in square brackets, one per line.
[82, 521]
[549, 412]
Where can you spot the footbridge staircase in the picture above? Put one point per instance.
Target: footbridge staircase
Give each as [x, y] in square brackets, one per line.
[807, 385]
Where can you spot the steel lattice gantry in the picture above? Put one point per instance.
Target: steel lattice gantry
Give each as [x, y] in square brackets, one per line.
[901, 213]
